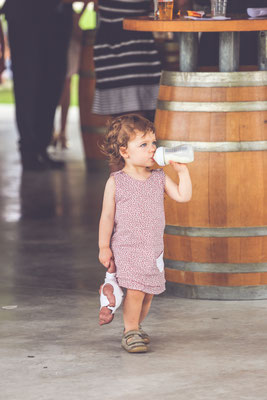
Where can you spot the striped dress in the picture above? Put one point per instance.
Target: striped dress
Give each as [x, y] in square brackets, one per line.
[127, 63]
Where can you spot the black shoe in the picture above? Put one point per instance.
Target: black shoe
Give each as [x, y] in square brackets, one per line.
[50, 163]
[32, 163]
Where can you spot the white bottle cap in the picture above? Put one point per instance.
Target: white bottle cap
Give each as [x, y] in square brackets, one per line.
[159, 156]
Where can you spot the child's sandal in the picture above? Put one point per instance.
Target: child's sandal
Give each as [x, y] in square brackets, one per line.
[133, 342]
[145, 336]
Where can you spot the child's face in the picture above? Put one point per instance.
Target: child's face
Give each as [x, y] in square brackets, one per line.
[140, 150]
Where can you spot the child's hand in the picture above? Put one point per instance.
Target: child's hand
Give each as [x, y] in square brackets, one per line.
[105, 256]
[178, 167]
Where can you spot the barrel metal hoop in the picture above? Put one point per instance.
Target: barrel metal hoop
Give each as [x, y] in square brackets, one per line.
[216, 79]
[89, 129]
[218, 292]
[216, 232]
[231, 106]
[260, 145]
[223, 268]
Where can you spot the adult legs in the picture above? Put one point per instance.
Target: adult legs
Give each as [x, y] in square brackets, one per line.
[23, 39]
[61, 137]
[54, 60]
[65, 103]
[39, 57]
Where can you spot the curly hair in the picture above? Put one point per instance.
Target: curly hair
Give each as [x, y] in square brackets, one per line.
[119, 131]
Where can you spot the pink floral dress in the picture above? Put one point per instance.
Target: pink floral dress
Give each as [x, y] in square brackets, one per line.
[137, 240]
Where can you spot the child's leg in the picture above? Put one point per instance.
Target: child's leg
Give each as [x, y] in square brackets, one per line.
[146, 306]
[132, 309]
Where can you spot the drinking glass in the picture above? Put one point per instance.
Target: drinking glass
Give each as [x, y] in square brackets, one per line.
[218, 8]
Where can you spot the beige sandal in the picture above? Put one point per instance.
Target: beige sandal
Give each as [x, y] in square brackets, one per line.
[145, 336]
[133, 342]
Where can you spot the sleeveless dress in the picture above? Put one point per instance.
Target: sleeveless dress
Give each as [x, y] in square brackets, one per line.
[127, 63]
[137, 240]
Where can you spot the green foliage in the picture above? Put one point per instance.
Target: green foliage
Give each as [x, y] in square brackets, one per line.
[6, 96]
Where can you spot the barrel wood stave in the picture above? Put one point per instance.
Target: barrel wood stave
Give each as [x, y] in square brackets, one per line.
[216, 250]
[238, 126]
[225, 191]
[192, 94]
[216, 279]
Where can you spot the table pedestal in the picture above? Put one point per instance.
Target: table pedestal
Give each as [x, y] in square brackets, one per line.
[228, 51]
[188, 46]
[262, 46]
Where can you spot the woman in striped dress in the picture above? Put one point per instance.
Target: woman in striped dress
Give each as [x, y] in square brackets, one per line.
[127, 63]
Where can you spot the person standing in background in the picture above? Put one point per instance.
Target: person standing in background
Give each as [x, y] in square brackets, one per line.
[127, 63]
[39, 33]
[73, 65]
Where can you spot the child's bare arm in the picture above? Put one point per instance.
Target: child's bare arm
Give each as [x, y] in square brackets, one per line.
[106, 223]
[183, 191]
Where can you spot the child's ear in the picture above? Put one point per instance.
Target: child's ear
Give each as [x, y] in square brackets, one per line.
[123, 152]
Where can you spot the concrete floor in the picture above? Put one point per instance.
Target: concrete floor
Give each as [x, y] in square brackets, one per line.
[51, 347]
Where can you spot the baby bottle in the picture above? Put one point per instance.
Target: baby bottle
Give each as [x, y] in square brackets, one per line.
[181, 154]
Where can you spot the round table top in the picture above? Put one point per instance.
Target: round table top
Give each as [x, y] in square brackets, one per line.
[189, 25]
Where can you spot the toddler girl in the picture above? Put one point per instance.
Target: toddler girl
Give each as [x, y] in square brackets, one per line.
[132, 221]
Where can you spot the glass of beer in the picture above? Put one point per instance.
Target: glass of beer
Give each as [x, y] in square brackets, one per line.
[165, 9]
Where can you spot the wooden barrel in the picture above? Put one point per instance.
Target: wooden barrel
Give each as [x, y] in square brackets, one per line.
[216, 245]
[92, 125]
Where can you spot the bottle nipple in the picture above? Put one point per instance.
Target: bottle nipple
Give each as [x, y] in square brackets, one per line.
[159, 156]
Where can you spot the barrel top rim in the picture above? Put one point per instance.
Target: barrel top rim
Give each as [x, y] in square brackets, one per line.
[186, 25]
[219, 79]
[209, 74]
